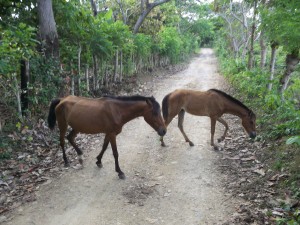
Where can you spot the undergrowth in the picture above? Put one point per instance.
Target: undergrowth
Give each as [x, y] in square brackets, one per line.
[278, 122]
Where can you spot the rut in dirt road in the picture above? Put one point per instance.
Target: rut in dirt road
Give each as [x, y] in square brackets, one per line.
[177, 184]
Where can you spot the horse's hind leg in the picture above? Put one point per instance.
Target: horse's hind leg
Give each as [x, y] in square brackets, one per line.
[226, 129]
[180, 125]
[104, 147]
[71, 138]
[62, 132]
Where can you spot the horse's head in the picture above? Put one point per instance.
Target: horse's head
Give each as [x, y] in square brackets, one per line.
[152, 116]
[248, 122]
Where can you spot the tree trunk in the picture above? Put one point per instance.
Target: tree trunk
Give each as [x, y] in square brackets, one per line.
[121, 66]
[94, 8]
[291, 62]
[17, 94]
[263, 45]
[274, 47]
[78, 69]
[72, 74]
[105, 76]
[95, 75]
[251, 51]
[116, 63]
[263, 51]
[123, 11]
[87, 78]
[145, 11]
[24, 85]
[47, 29]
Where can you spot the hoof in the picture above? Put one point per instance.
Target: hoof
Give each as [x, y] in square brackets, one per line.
[80, 160]
[99, 164]
[163, 145]
[220, 139]
[67, 165]
[216, 148]
[191, 143]
[122, 176]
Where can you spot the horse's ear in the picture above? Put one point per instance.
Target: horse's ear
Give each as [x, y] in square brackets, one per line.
[149, 102]
[252, 115]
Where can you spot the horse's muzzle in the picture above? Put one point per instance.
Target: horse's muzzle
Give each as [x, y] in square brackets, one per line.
[161, 131]
[252, 134]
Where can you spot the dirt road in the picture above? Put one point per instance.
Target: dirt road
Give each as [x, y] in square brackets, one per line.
[177, 184]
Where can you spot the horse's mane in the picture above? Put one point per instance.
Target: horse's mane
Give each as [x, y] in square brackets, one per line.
[233, 100]
[156, 106]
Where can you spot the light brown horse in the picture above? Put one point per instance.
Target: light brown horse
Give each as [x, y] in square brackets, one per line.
[212, 103]
[104, 115]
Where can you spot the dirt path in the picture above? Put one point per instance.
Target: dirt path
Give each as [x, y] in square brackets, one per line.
[178, 184]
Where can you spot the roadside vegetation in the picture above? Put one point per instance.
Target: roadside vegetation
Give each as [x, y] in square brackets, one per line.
[260, 57]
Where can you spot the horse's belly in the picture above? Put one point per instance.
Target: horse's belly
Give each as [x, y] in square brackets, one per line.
[90, 126]
[196, 111]
[86, 128]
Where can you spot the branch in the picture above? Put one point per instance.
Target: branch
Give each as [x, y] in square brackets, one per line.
[145, 12]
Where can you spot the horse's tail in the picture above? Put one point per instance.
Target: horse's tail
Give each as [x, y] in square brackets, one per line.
[51, 115]
[165, 106]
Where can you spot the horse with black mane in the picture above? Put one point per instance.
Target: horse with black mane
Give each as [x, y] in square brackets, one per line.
[212, 103]
[103, 115]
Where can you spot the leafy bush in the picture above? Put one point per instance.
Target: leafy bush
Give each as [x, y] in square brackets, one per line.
[142, 44]
[170, 43]
[294, 140]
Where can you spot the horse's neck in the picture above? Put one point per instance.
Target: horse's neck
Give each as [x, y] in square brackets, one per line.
[132, 111]
[235, 109]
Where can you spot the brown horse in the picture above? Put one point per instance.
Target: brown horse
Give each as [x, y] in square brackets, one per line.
[104, 115]
[212, 103]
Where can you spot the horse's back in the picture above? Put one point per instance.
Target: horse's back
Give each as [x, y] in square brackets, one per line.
[200, 103]
[85, 115]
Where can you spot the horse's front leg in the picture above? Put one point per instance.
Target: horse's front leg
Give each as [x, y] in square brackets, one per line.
[116, 156]
[162, 141]
[226, 129]
[212, 132]
[104, 147]
[180, 125]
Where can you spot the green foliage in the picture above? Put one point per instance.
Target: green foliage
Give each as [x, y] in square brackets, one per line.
[143, 44]
[292, 219]
[205, 28]
[293, 140]
[170, 43]
[45, 83]
[280, 17]
[17, 42]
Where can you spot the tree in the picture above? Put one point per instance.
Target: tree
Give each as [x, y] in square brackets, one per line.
[236, 24]
[47, 29]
